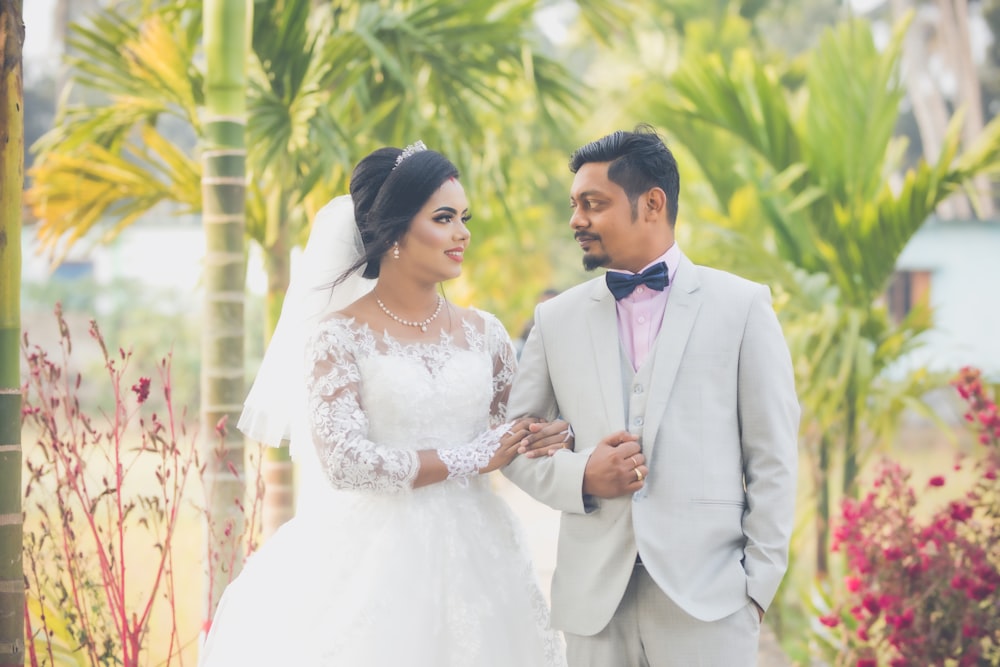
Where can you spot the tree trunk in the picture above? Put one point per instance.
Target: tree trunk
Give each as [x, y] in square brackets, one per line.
[224, 218]
[954, 27]
[11, 184]
[929, 108]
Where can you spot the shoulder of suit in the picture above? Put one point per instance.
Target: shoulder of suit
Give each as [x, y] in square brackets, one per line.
[572, 296]
[717, 279]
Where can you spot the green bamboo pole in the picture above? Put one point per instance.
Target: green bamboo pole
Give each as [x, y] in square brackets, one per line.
[224, 219]
[11, 184]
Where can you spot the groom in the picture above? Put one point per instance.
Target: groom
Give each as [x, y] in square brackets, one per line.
[678, 501]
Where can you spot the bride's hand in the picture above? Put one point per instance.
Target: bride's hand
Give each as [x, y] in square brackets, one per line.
[547, 438]
[509, 443]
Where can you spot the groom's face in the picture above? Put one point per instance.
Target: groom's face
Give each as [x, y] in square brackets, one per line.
[604, 222]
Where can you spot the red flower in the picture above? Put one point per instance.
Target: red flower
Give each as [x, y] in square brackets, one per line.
[970, 659]
[980, 592]
[960, 512]
[141, 389]
[919, 585]
[892, 553]
[971, 631]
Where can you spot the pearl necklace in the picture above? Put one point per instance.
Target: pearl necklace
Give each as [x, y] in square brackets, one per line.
[422, 324]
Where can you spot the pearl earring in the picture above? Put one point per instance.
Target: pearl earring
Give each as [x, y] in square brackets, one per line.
[395, 250]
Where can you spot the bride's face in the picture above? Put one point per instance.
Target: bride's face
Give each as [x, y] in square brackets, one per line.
[434, 245]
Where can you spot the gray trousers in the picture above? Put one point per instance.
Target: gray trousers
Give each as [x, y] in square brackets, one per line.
[649, 630]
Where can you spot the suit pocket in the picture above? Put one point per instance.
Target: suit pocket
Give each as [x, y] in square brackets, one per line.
[741, 504]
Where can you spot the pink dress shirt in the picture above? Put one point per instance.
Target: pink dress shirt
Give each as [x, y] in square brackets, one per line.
[640, 314]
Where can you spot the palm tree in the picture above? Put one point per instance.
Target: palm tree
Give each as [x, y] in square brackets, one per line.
[804, 175]
[11, 185]
[326, 84]
[224, 221]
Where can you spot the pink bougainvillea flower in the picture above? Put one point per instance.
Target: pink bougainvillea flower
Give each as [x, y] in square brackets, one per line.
[892, 553]
[903, 564]
[829, 621]
[960, 512]
[979, 592]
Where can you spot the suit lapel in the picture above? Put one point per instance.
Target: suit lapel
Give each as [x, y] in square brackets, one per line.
[602, 322]
[678, 321]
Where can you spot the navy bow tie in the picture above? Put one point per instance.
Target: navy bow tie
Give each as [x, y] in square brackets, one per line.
[622, 284]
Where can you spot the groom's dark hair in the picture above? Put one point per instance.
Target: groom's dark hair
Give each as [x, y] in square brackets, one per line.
[387, 193]
[640, 160]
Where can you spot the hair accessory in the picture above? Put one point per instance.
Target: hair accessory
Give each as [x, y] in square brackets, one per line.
[415, 147]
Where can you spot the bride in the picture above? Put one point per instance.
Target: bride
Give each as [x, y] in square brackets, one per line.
[400, 553]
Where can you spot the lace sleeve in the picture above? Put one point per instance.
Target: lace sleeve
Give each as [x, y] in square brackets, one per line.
[504, 364]
[339, 424]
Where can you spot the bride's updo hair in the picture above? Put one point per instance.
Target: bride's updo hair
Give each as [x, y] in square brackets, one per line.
[387, 196]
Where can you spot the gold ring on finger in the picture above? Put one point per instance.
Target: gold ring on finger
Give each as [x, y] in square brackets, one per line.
[635, 463]
[638, 475]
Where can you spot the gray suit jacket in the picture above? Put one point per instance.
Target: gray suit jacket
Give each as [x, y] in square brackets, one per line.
[713, 522]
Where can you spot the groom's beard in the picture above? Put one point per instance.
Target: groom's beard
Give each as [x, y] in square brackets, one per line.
[591, 262]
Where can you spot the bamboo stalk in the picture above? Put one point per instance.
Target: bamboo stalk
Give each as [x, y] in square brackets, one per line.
[224, 215]
[12, 600]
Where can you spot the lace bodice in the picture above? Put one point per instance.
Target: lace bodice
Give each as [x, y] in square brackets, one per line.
[375, 400]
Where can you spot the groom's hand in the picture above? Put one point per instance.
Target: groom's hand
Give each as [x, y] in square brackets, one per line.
[616, 468]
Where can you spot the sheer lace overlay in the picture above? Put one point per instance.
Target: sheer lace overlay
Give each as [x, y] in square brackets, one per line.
[375, 400]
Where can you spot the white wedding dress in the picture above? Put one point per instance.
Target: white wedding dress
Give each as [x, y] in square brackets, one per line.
[374, 573]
